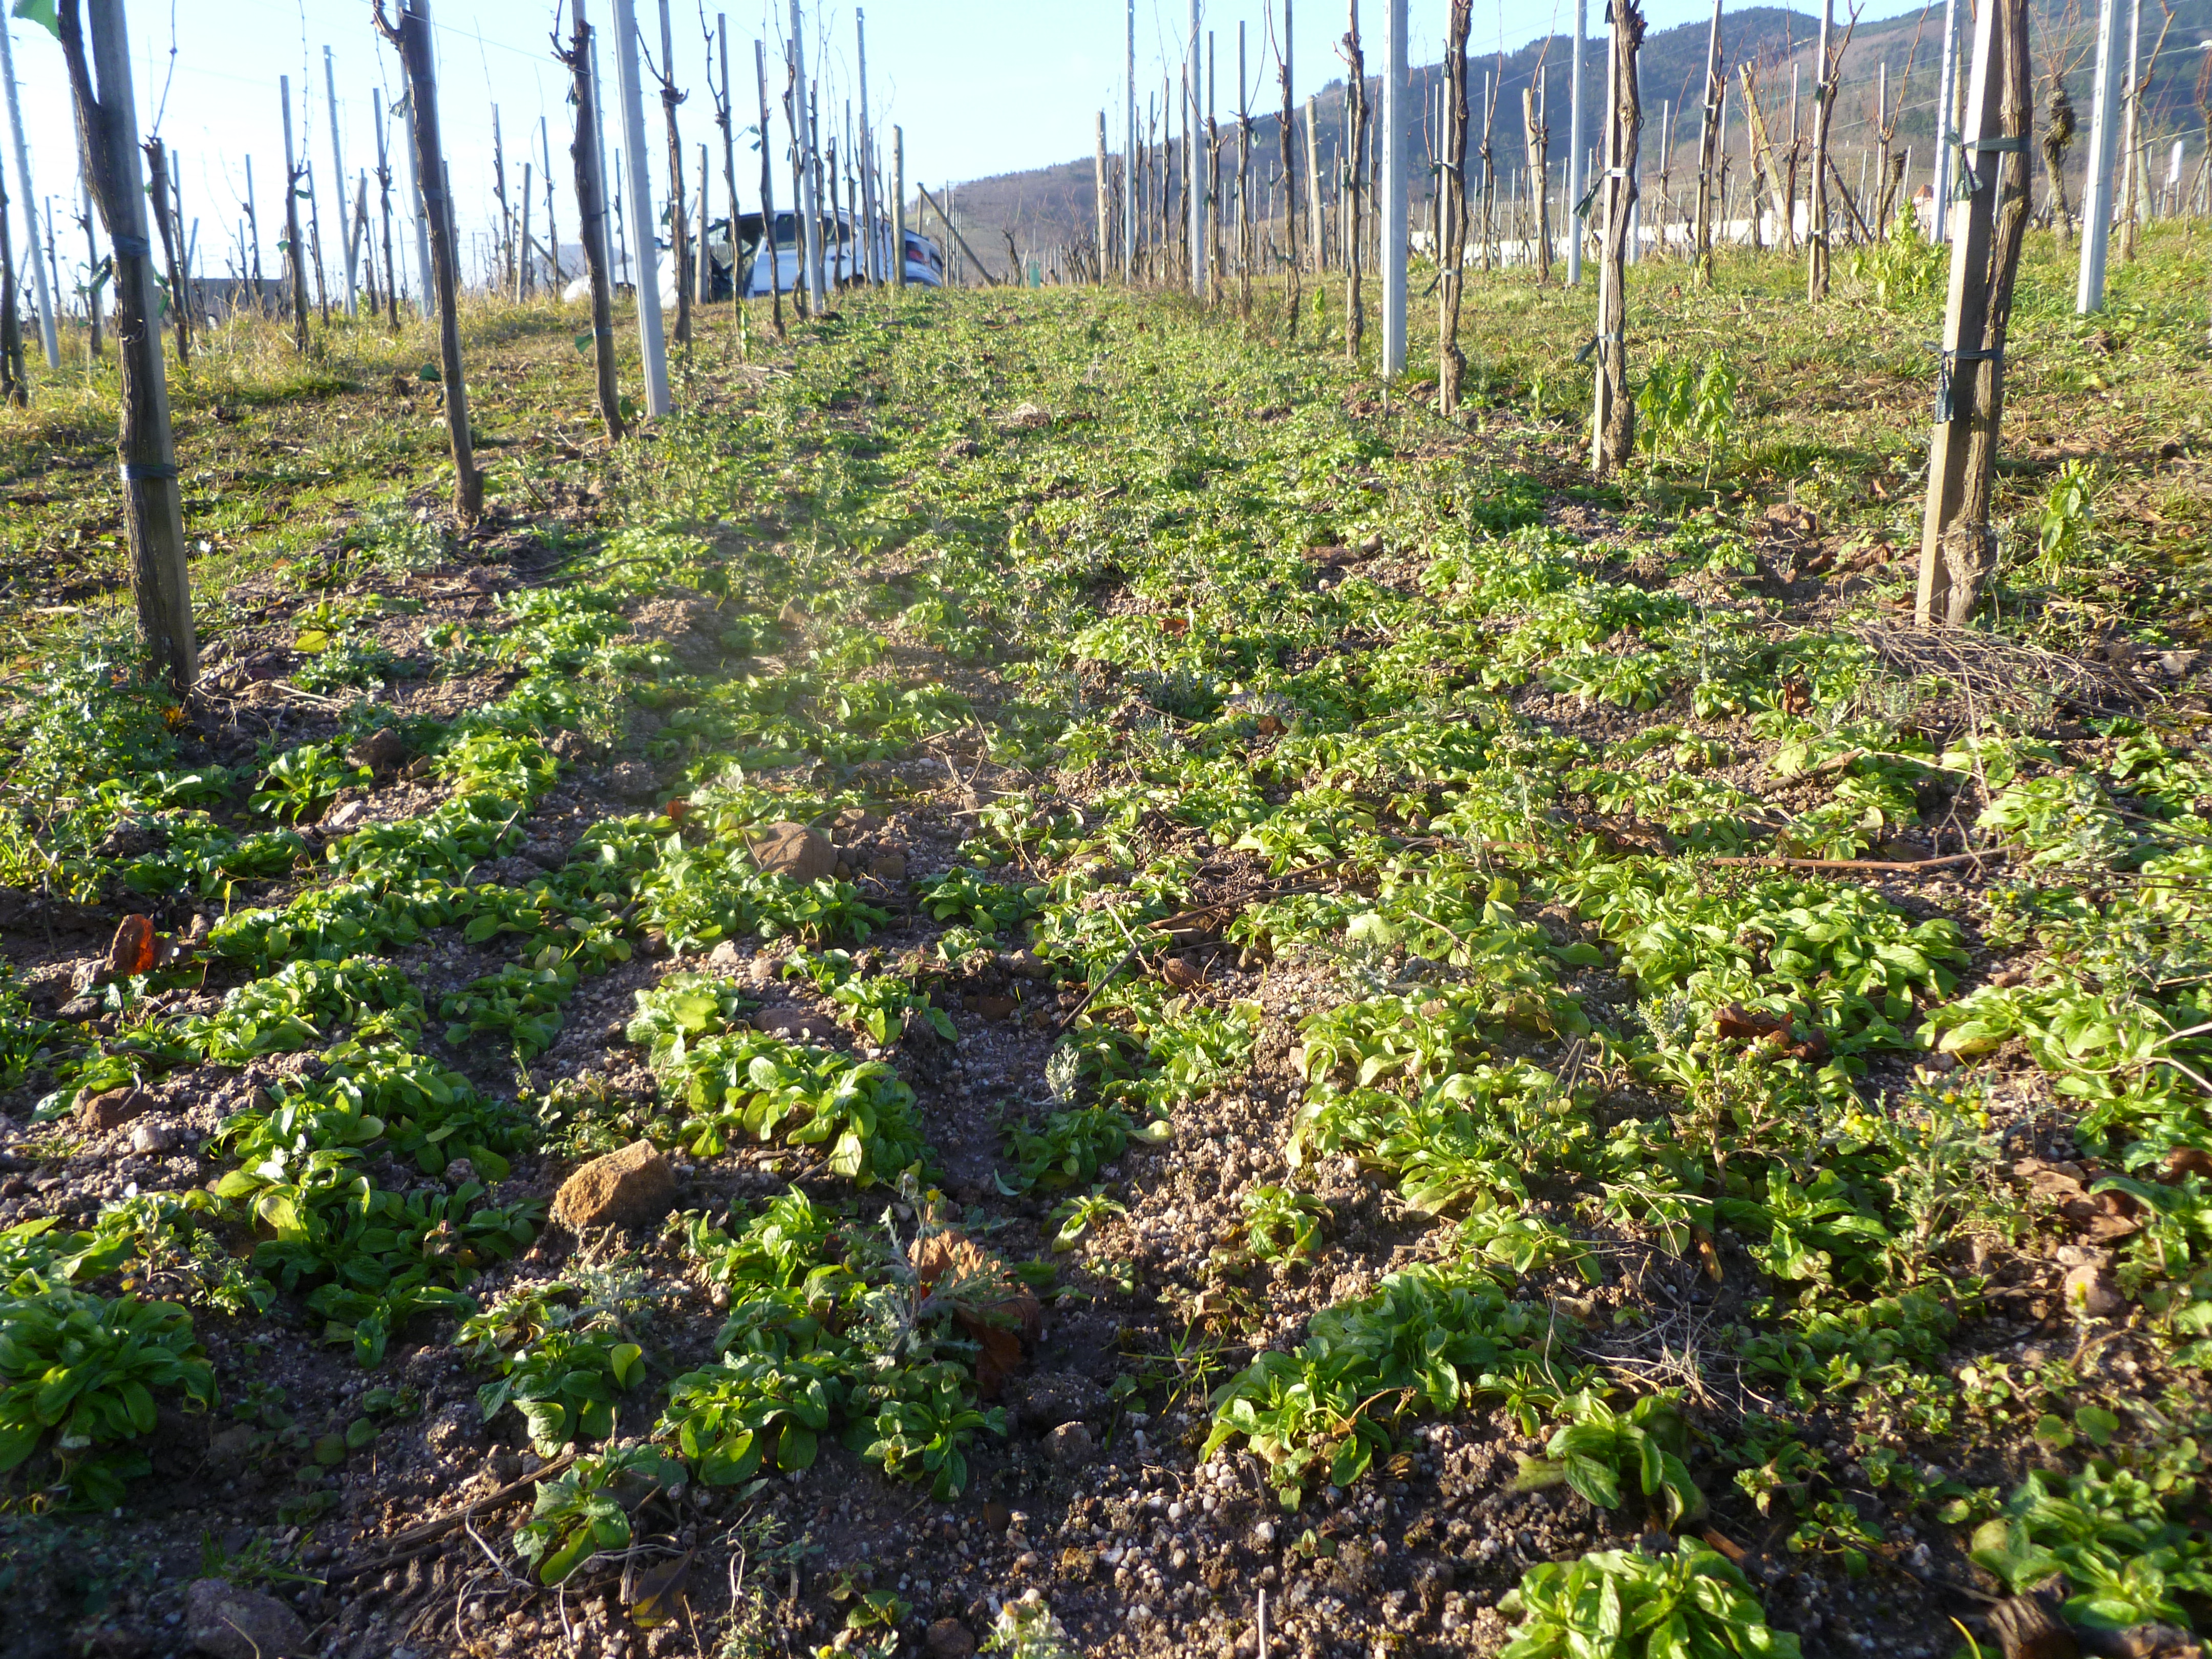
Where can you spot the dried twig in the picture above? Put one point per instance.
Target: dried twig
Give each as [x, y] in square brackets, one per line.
[415, 1540]
[1872, 866]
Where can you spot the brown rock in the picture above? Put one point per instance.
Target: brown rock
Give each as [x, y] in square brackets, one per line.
[110, 1110]
[888, 867]
[854, 822]
[993, 1008]
[229, 1622]
[383, 751]
[2092, 1291]
[631, 1188]
[2184, 1162]
[948, 1638]
[1069, 1445]
[633, 780]
[793, 850]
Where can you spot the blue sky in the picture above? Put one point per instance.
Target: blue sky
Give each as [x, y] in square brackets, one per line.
[979, 86]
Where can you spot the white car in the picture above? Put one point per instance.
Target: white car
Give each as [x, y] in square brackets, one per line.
[841, 261]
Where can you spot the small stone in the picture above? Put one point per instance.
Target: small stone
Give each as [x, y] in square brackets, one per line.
[383, 751]
[343, 820]
[726, 955]
[2092, 1291]
[227, 1621]
[631, 1188]
[633, 780]
[889, 867]
[1029, 418]
[793, 850]
[110, 1111]
[1069, 1445]
[503, 1466]
[948, 1638]
[993, 1007]
[855, 822]
[148, 1138]
[1028, 964]
[460, 1172]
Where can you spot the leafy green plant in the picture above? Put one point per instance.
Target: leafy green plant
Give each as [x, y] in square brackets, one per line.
[922, 1431]
[1426, 1336]
[300, 782]
[78, 1378]
[1282, 1225]
[561, 1366]
[586, 1510]
[1680, 405]
[1597, 1445]
[2125, 1560]
[1617, 1604]
[1078, 1216]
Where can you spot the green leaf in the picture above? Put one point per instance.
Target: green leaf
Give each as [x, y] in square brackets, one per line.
[41, 12]
[2096, 1423]
[2052, 1432]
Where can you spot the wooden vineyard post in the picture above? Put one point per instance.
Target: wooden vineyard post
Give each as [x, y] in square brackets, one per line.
[1612, 425]
[1099, 187]
[153, 510]
[411, 37]
[15, 383]
[768, 196]
[1958, 545]
[1824, 97]
[725, 118]
[296, 267]
[1762, 151]
[1709, 135]
[1246, 223]
[806, 190]
[1355, 174]
[1451, 202]
[1317, 222]
[592, 209]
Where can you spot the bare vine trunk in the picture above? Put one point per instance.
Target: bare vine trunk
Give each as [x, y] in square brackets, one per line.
[411, 36]
[591, 209]
[1451, 208]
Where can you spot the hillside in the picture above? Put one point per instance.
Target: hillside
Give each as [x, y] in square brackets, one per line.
[1052, 206]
